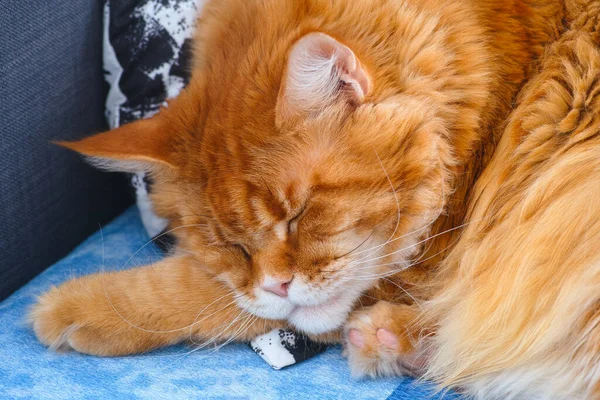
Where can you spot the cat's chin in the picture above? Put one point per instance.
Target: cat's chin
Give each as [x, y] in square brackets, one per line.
[314, 319]
[321, 318]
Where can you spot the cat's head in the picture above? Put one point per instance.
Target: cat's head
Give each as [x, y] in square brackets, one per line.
[293, 182]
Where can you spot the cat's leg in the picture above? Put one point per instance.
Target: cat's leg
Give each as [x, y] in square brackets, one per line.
[137, 310]
[383, 340]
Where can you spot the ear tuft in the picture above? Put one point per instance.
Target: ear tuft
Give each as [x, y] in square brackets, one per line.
[320, 71]
[139, 146]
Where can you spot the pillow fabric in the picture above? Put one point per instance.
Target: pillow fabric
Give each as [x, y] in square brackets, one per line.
[147, 53]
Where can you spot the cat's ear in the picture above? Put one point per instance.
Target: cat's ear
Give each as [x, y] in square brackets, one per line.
[320, 70]
[139, 146]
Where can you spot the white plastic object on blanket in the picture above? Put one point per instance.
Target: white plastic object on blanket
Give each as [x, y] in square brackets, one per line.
[281, 348]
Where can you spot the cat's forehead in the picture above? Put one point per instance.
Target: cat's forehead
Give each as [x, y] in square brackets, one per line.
[285, 196]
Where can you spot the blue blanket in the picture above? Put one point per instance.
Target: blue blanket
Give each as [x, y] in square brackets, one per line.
[30, 371]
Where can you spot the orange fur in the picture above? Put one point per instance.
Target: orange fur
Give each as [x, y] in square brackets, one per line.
[519, 290]
[338, 147]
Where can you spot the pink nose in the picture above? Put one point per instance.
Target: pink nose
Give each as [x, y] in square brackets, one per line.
[279, 288]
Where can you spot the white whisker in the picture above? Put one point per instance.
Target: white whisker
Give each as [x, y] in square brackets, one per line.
[242, 312]
[405, 291]
[414, 244]
[429, 224]
[156, 238]
[397, 207]
[214, 339]
[196, 321]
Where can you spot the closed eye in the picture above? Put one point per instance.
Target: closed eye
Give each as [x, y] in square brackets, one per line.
[293, 223]
[244, 250]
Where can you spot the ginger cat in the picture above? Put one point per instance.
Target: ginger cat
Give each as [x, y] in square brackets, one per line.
[344, 168]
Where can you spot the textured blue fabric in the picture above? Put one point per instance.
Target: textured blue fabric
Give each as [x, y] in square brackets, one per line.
[416, 390]
[30, 371]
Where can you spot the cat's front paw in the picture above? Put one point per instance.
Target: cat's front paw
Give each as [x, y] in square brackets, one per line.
[53, 320]
[66, 318]
[78, 315]
[378, 341]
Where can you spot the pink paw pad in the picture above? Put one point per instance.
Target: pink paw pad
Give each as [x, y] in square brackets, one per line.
[387, 338]
[356, 338]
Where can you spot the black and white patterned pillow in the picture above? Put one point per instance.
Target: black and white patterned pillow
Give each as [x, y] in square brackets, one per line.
[147, 52]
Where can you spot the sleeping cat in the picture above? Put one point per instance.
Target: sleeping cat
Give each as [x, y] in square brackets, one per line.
[344, 168]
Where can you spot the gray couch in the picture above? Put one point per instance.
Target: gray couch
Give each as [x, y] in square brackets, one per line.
[51, 87]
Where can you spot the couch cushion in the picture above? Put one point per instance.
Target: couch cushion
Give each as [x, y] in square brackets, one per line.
[51, 88]
[29, 370]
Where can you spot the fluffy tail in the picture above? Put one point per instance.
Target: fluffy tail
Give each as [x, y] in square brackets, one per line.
[519, 314]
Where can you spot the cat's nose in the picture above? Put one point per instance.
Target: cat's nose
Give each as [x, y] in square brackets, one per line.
[278, 287]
